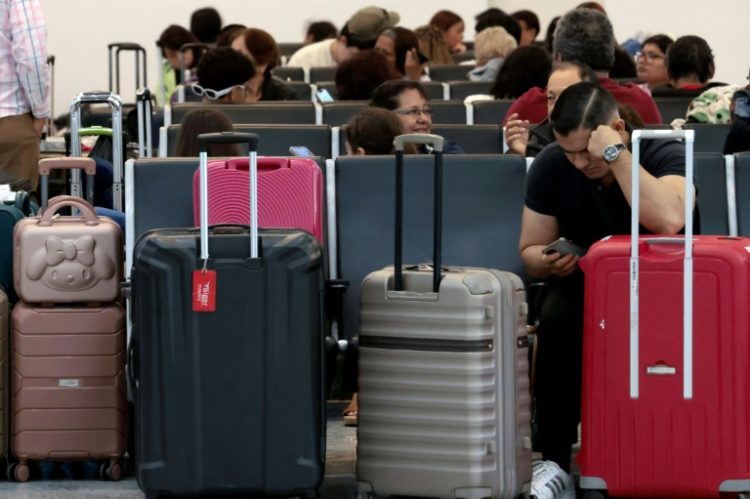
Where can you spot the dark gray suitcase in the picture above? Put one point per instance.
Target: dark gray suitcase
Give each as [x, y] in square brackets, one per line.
[229, 401]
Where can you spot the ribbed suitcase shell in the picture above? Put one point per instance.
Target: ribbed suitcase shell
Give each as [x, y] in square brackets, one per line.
[290, 193]
[661, 445]
[444, 387]
[67, 261]
[69, 392]
[231, 401]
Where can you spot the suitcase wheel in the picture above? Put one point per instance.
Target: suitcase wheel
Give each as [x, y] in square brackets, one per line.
[19, 472]
[110, 471]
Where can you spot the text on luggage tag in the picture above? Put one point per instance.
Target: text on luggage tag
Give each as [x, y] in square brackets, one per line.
[204, 290]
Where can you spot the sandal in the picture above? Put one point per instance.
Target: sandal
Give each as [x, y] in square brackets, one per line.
[350, 413]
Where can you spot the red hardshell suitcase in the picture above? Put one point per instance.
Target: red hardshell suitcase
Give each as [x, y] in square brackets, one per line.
[666, 399]
[68, 381]
[290, 194]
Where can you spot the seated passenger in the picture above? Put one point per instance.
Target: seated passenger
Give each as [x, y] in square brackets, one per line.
[525, 68]
[452, 27]
[400, 46]
[261, 48]
[170, 41]
[433, 46]
[358, 76]
[372, 132]
[528, 140]
[359, 33]
[223, 74]
[587, 36]
[409, 101]
[579, 188]
[690, 67]
[491, 48]
[205, 121]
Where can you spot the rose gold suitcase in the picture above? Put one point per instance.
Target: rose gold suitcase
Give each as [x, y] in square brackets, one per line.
[68, 382]
[67, 259]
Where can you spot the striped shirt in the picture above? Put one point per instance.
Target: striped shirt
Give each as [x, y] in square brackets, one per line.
[24, 82]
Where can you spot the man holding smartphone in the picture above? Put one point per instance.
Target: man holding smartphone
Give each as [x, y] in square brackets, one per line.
[579, 188]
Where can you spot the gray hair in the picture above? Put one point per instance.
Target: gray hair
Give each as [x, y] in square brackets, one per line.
[585, 35]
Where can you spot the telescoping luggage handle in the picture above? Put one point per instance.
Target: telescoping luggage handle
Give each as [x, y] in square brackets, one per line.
[140, 64]
[143, 104]
[251, 140]
[437, 143]
[113, 100]
[687, 352]
[48, 164]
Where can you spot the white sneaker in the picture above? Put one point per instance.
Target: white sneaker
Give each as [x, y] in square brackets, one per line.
[549, 481]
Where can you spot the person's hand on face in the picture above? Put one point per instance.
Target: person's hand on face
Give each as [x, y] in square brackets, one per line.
[412, 66]
[602, 137]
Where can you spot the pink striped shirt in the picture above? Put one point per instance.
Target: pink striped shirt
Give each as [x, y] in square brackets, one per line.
[24, 82]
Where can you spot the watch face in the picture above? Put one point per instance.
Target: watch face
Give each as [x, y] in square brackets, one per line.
[610, 153]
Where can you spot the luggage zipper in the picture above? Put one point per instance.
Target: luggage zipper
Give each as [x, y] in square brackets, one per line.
[427, 344]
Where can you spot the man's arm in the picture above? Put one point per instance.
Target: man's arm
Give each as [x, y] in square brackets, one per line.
[662, 200]
[30, 55]
[537, 231]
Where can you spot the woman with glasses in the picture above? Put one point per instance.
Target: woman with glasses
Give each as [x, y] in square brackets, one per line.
[223, 76]
[408, 100]
[650, 62]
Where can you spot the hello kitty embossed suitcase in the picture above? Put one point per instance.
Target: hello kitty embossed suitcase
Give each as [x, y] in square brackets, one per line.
[67, 259]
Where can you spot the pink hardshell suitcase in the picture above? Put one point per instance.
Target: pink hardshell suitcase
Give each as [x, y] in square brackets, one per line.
[66, 259]
[68, 386]
[290, 193]
[666, 398]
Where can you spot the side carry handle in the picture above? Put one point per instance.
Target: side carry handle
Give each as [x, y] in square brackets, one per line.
[687, 352]
[437, 143]
[251, 140]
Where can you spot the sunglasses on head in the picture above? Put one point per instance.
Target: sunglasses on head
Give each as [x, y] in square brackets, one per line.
[211, 93]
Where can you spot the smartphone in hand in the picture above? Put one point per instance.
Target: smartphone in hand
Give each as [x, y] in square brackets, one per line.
[323, 96]
[300, 151]
[563, 247]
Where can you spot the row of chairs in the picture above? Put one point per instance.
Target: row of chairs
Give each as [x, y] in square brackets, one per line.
[483, 112]
[483, 200]
[453, 90]
[436, 72]
[330, 142]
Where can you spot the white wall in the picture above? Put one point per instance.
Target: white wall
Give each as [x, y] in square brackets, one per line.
[79, 30]
[722, 24]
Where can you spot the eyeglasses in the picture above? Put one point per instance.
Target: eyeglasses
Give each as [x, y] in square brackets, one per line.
[211, 93]
[649, 56]
[414, 112]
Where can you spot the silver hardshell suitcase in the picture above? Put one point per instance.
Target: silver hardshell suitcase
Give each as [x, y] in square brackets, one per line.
[443, 375]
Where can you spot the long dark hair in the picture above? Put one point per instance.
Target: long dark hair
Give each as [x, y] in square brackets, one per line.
[205, 121]
[525, 68]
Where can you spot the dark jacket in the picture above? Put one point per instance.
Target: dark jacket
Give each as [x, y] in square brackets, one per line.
[276, 89]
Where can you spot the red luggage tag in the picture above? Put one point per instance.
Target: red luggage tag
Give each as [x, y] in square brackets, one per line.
[204, 290]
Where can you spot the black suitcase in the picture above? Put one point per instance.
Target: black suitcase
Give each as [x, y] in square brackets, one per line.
[230, 401]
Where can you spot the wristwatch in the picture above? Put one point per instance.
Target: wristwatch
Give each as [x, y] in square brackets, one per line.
[612, 152]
